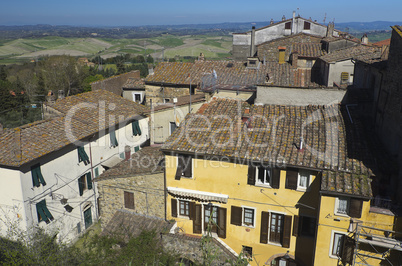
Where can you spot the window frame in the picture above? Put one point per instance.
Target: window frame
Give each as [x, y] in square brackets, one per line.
[264, 183]
[125, 200]
[186, 157]
[170, 127]
[113, 139]
[303, 173]
[244, 208]
[187, 208]
[336, 209]
[247, 251]
[85, 183]
[331, 247]
[41, 207]
[301, 223]
[307, 25]
[270, 241]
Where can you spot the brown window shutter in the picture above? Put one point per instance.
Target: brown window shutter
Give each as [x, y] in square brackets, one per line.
[173, 206]
[179, 170]
[128, 200]
[291, 178]
[264, 227]
[197, 222]
[222, 222]
[188, 166]
[251, 175]
[355, 209]
[235, 217]
[347, 250]
[192, 210]
[276, 175]
[287, 228]
[295, 225]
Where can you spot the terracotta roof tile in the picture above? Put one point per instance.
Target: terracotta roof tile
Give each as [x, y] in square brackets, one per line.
[361, 51]
[83, 112]
[331, 142]
[146, 161]
[312, 50]
[183, 100]
[134, 83]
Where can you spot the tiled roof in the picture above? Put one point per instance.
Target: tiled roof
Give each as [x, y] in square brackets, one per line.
[228, 73]
[146, 161]
[346, 183]
[312, 50]
[83, 112]
[134, 83]
[183, 100]
[331, 142]
[288, 76]
[129, 224]
[361, 51]
[398, 29]
[383, 42]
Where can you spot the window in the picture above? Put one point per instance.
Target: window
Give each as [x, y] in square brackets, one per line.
[84, 183]
[113, 140]
[337, 244]
[166, 100]
[136, 148]
[247, 251]
[184, 166]
[307, 25]
[276, 225]
[184, 208]
[136, 128]
[43, 212]
[308, 225]
[129, 200]
[342, 206]
[263, 176]
[37, 177]
[303, 181]
[172, 127]
[210, 216]
[288, 25]
[88, 218]
[242, 216]
[309, 63]
[96, 172]
[297, 180]
[82, 155]
[248, 218]
[275, 228]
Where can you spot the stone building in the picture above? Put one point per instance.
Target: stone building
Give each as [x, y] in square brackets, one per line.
[135, 185]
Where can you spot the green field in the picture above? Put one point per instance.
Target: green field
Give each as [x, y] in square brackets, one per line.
[20, 50]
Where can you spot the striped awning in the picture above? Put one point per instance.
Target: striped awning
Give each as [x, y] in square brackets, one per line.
[198, 195]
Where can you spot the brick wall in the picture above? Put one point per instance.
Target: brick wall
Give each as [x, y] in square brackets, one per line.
[149, 198]
[114, 84]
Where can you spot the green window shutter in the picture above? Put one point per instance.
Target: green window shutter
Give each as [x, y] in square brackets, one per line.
[80, 186]
[136, 148]
[136, 128]
[113, 140]
[89, 180]
[37, 177]
[43, 212]
[49, 216]
[96, 172]
[82, 155]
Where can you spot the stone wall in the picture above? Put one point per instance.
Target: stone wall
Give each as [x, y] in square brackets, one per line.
[149, 197]
[189, 247]
[270, 52]
[115, 84]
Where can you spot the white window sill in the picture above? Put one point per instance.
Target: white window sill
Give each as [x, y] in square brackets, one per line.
[183, 217]
[263, 185]
[333, 257]
[341, 214]
[275, 244]
[248, 226]
[302, 189]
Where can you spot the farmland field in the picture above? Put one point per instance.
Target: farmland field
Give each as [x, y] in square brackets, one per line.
[213, 47]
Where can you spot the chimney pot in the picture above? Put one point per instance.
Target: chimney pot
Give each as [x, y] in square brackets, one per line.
[127, 153]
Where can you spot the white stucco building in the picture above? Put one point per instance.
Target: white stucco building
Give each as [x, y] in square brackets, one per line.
[47, 167]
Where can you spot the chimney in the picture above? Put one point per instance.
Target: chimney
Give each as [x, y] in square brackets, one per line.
[294, 57]
[365, 39]
[283, 18]
[330, 29]
[271, 22]
[60, 94]
[294, 23]
[201, 57]
[252, 48]
[127, 153]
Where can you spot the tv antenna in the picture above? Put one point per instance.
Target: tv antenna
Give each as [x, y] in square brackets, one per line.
[325, 17]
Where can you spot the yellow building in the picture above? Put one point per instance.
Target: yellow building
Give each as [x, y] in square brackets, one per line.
[268, 177]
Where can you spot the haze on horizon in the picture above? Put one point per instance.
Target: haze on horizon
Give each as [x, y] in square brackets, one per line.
[176, 12]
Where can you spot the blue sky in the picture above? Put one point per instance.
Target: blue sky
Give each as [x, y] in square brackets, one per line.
[169, 12]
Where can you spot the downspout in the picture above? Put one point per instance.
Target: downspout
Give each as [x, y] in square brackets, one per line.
[92, 179]
[165, 189]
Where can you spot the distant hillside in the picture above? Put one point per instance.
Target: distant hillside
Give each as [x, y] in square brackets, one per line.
[220, 29]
